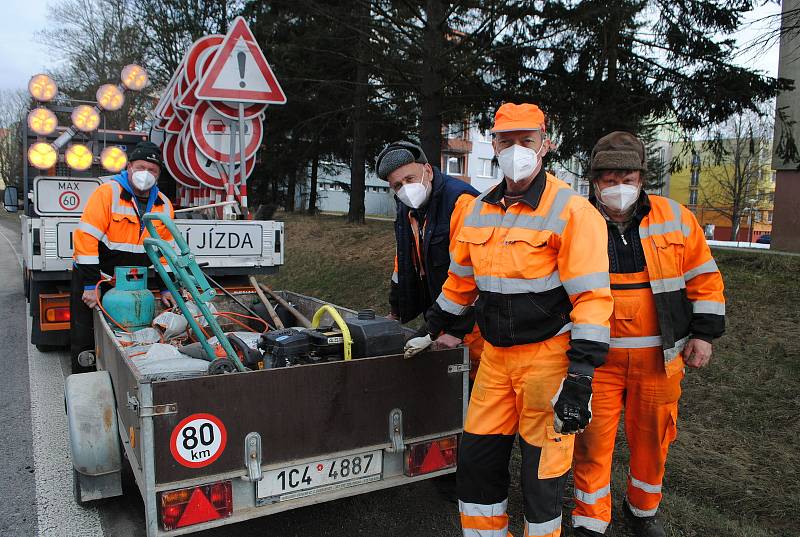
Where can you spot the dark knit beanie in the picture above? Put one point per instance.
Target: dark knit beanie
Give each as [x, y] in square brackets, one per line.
[398, 154]
[619, 150]
[147, 151]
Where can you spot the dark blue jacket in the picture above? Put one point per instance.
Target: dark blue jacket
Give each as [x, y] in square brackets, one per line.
[412, 294]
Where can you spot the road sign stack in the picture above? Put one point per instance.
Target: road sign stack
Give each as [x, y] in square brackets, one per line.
[208, 121]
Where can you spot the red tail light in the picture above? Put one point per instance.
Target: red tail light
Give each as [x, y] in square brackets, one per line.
[186, 507]
[431, 456]
[57, 315]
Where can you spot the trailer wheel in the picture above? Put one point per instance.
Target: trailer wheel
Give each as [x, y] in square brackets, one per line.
[93, 436]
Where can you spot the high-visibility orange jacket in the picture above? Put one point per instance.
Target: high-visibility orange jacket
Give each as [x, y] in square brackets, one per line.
[534, 270]
[111, 231]
[686, 283]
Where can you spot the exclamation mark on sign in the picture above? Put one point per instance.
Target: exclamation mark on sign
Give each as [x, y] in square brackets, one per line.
[241, 56]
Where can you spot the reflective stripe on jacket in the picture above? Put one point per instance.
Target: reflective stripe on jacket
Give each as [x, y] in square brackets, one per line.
[534, 270]
[684, 277]
[110, 232]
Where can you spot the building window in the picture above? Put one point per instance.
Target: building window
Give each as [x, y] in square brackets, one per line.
[693, 197]
[454, 165]
[774, 175]
[771, 197]
[583, 189]
[758, 216]
[769, 217]
[486, 168]
[453, 130]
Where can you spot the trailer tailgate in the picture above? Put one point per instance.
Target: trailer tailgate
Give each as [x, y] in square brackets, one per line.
[311, 411]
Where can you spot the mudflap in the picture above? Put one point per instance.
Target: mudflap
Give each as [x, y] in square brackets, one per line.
[93, 436]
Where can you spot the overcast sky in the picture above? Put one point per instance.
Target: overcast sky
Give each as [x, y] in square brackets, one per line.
[21, 56]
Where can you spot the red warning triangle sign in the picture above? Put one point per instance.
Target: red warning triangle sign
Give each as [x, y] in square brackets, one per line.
[198, 510]
[239, 71]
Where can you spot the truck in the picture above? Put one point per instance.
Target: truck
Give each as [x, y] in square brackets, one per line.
[52, 203]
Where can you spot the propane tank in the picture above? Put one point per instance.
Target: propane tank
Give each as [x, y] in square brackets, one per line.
[129, 303]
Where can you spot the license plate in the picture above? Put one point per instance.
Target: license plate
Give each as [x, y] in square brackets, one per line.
[318, 477]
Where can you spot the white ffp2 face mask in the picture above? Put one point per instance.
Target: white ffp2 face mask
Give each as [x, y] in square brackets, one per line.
[518, 162]
[414, 195]
[143, 180]
[619, 198]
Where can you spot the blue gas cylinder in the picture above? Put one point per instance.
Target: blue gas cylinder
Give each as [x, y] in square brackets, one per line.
[129, 303]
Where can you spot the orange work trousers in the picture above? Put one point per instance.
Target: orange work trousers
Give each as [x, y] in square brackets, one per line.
[474, 341]
[633, 380]
[512, 394]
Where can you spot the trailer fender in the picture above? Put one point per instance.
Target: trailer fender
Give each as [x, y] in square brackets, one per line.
[93, 435]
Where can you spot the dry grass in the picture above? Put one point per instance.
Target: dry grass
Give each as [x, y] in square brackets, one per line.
[734, 469]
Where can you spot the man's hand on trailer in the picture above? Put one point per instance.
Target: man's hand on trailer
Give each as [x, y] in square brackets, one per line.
[90, 298]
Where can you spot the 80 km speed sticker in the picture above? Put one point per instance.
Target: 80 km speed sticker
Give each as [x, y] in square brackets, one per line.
[198, 440]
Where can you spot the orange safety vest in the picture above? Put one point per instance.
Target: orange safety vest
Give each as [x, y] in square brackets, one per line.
[686, 283]
[111, 233]
[534, 270]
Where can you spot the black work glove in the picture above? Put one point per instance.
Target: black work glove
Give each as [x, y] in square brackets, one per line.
[572, 404]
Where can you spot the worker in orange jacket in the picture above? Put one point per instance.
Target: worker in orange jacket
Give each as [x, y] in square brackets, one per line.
[111, 234]
[668, 307]
[530, 259]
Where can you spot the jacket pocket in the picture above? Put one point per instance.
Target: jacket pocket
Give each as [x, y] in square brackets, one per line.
[439, 250]
[669, 248]
[556, 456]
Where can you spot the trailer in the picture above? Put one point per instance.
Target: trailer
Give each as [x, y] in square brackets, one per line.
[211, 450]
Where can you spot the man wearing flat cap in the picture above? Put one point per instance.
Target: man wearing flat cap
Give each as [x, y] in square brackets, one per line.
[428, 202]
[668, 307]
[111, 234]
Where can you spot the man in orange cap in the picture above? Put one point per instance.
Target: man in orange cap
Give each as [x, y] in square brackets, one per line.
[530, 259]
[668, 307]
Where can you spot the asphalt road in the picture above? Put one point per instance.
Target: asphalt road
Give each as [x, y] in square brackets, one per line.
[35, 469]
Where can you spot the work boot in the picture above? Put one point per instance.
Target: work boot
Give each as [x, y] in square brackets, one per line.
[643, 526]
[585, 532]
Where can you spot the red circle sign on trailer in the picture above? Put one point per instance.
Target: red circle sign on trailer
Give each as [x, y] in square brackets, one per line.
[172, 161]
[231, 110]
[200, 51]
[212, 134]
[208, 171]
[198, 440]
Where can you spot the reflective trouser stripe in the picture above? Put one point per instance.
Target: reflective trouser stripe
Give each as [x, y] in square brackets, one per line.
[590, 498]
[394, 277]
[594, 524]
[641, 513]
[641, 342]
[484, 520]
[646, 487]
[542, 529]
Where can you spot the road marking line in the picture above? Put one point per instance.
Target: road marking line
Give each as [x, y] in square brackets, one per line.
[56, 511]
[19, 257]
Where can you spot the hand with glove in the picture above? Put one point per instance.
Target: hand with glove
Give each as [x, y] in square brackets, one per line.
[572, 404]
[416, 345]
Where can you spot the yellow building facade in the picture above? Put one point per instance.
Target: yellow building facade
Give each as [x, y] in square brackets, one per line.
[706, 186]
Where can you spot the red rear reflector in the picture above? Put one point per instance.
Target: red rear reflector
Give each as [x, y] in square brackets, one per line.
[186, 507]
[57, 315]
[431, 456]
